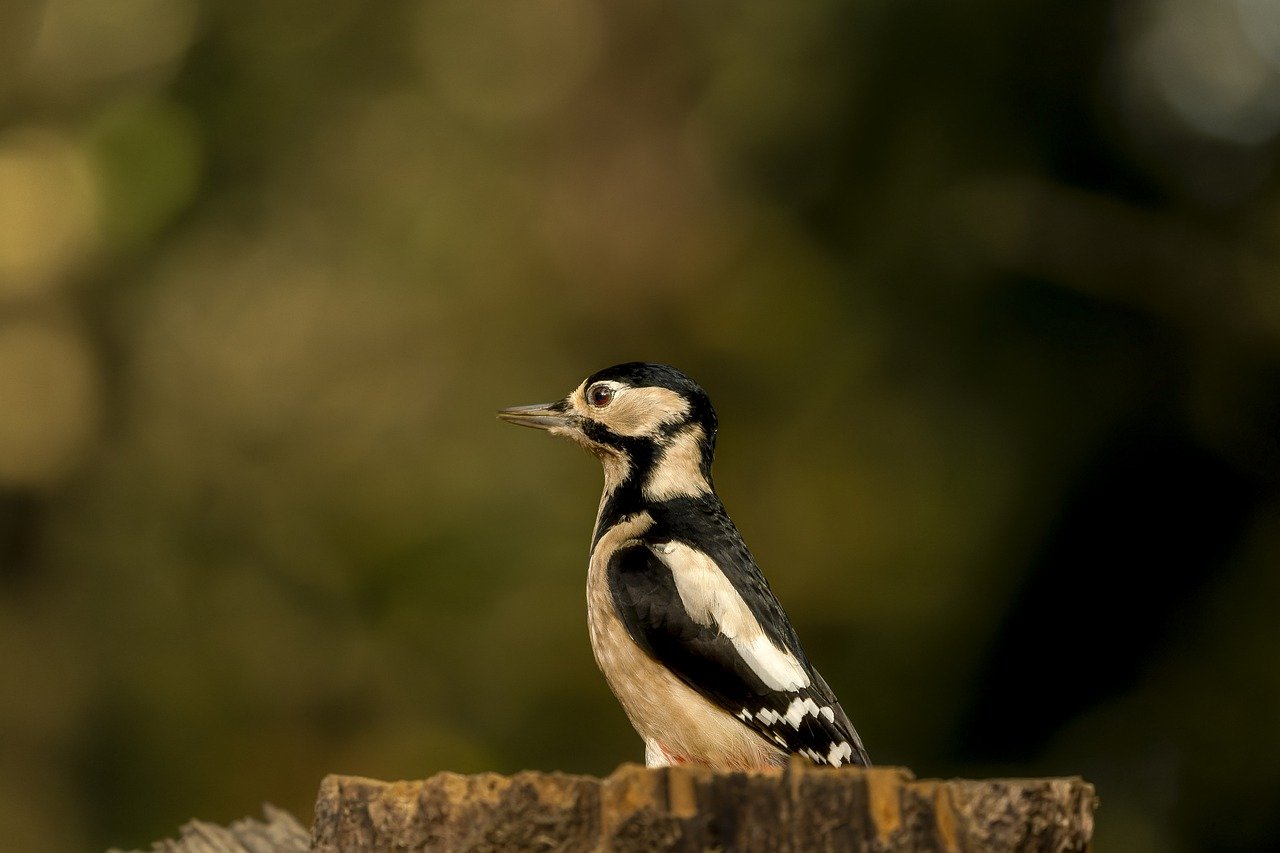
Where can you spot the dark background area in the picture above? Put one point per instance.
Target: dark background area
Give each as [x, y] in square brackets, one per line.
[987, 295]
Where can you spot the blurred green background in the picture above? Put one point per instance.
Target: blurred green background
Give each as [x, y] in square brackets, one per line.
[987, 295]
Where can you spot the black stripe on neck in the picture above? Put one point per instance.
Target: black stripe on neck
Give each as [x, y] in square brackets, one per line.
[643, 455]
[626, 498]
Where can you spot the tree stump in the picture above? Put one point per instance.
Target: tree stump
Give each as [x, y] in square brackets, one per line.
[799, 808]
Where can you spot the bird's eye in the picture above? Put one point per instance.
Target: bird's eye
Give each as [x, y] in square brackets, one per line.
[599, 395]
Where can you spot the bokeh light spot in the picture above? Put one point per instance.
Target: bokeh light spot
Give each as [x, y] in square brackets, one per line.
[509, 61]
[46, 210]
[148, 160]
[48, 401]
[84, 43]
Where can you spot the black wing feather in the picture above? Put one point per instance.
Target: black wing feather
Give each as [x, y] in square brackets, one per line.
[649, 605]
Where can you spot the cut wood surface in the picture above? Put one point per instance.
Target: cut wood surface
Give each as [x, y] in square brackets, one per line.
[801, 808]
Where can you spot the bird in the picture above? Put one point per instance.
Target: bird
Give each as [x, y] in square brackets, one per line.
[683, 625]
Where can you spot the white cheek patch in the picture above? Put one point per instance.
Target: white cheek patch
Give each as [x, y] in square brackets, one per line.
[710, 600]
[641, 411]
[678, 471]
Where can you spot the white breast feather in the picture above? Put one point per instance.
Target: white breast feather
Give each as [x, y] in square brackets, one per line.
[710, 600]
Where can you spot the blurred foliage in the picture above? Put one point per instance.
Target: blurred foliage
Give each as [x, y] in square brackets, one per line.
[986, 293]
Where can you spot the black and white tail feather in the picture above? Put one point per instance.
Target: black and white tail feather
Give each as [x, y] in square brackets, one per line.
[683, 584]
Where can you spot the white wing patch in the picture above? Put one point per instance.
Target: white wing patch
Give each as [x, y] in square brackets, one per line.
[768, 716]
[793, 716]
[710, 600]
[840, 753]
[798, 709]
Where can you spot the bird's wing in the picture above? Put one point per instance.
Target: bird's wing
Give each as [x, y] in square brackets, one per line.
[678, 605]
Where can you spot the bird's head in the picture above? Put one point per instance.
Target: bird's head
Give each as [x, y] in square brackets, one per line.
[648, 423]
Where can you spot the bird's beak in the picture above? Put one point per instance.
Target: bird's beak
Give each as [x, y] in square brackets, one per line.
[539, 416]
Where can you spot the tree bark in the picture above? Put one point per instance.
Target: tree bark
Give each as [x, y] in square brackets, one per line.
[800, 808]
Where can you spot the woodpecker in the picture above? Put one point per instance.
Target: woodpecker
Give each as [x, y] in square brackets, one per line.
[683, 624]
